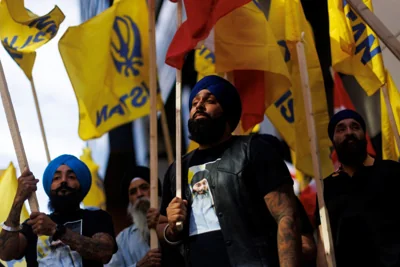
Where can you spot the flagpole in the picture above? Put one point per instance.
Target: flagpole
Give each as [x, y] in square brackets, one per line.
[15, 134]
[178, 119]
[377, 26]
[167, 137]
[39, 114]
[312, 133]
[391, 115]
[153, 119]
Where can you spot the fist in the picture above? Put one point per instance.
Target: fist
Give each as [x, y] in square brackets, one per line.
[153, 216]
[152, 258]
[26, 185]
[42, 224]
[176, 212]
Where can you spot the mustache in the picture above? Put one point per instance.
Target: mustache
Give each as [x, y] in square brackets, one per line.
[64, 186]
[201, 113]
[350, 138]
[142, 204]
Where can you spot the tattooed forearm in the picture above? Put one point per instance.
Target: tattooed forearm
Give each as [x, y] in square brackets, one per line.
[281, 203]
[14, 216]
[100, 247]
[9, 241]
[288, 242]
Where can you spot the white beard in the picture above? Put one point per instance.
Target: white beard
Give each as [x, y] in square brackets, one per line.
[138, 213]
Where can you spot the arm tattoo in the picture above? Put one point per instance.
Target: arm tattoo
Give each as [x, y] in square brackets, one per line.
[100, 247]
[9, 241]
[281, 203]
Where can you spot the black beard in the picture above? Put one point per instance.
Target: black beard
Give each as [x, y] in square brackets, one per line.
[207, 131]
[65, 203]
[352, 154]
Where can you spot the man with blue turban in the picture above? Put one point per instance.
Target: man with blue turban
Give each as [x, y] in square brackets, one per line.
[76, 237]
[237, 192]
[362, 199]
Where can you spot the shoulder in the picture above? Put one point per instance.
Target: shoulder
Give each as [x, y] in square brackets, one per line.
[265, 140]
[171, 171]
[387, 163]
[335, 185]
[188, 155]
[124, 234]
[266, 144]
[333, 177]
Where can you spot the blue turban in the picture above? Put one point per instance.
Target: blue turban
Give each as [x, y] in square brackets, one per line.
[77, 166]
[342, 115]
[226, 95]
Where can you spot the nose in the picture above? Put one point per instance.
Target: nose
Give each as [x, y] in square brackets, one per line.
[64, 179]
[200, 105]
[348, 131]
[140, 193]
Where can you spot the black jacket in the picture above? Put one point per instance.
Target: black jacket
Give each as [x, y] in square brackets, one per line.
[247, 226]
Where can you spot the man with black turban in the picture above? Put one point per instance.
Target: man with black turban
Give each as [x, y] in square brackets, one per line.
[238, 207]
[76, 237]
[361, 198]
[134, 241]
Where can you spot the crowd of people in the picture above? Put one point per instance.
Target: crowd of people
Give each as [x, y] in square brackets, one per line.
[238, 207]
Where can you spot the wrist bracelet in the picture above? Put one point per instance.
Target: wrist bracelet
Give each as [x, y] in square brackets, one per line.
[166, 239]
[10, 228]
[60, 231]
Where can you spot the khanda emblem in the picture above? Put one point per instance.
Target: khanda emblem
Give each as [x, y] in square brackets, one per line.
[126, 46]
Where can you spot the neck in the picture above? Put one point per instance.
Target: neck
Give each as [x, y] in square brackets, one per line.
[224, 138]
[350, 170]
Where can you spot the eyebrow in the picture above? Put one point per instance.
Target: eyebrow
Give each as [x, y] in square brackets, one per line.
[341, 124]
[206, 95]
[68, 172]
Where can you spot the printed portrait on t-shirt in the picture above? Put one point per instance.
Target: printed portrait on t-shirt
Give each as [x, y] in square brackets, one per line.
[60, 254]
[203, 218]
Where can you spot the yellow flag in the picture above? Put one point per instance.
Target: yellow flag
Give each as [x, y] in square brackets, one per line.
[354, 46]
[389, 146]
[244, 40]
[204, 63]
[107, 60]
[288, 114]
[8, 189]
[96, 197]
[22, 32]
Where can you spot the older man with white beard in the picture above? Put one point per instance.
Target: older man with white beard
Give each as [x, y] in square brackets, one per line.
[133, 242]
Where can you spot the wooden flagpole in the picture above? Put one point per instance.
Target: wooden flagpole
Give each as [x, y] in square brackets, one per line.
[39, 114]
[15, 134]
[153, 119]
[312, 133]
[167, 137]
[178, 119]
[377, 26]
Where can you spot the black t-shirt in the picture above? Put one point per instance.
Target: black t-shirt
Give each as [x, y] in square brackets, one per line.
[363, 214]
[206, 241]
[84, 222]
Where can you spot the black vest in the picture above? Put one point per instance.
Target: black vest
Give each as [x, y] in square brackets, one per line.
[248, 228]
